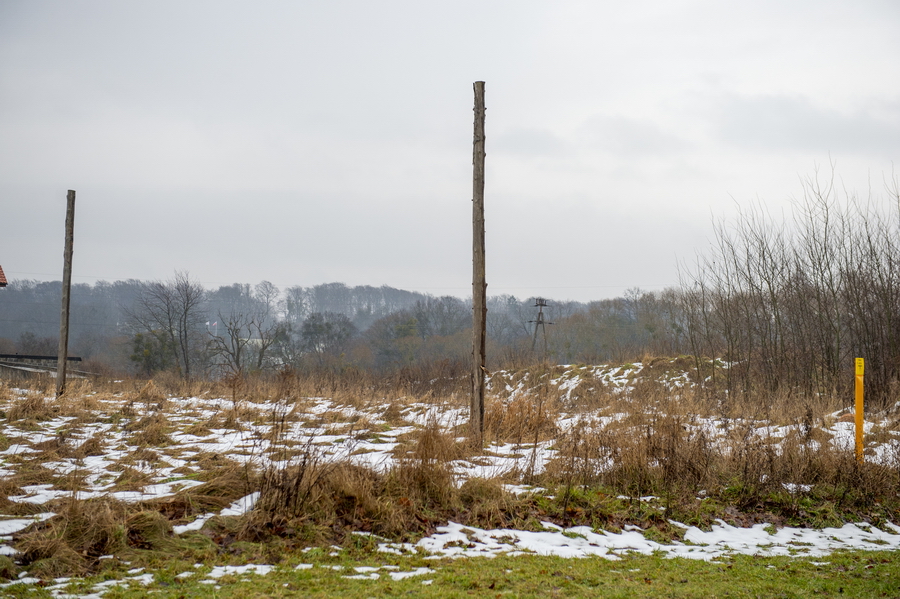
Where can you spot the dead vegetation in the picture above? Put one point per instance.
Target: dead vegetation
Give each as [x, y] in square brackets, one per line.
[150, 431]
[700, 455]
[319, 501]
[83, 532]
[31, 407]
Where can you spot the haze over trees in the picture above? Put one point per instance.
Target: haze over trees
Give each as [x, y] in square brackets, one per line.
[147, 327]
[785, 303]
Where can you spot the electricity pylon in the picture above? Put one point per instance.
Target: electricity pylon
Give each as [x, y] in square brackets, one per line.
[540, 303]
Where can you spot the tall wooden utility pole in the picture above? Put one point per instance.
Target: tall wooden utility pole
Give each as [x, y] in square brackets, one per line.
[63, 354]
[479, 286]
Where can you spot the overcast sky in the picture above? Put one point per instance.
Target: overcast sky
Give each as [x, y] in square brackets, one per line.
[307, 142]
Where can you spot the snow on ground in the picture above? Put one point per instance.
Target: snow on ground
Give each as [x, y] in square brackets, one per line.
[456, 541]
[124, 467]
[242, 432]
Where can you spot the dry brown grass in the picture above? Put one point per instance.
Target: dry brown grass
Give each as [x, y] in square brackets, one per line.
[141, 455]
[393, 414]
[150, 431]
[653, 446]
[78, 387]
[290, 491]
[325, 501]
[33, 406]
[6, 392]
[660, 450]
[170, 384]
[75, 538]
[72, 541]
[9, 486]
[91, 447]
[521, 420]
[131, 479]
[228, 481]
[39, 404]
[148, 394]
[423, 466]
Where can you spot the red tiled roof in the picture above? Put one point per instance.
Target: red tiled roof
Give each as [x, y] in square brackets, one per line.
[2, 278]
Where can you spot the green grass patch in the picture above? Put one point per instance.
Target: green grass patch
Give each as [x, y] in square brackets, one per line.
[847, 574]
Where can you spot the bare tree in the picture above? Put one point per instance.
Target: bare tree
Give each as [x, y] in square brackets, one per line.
[267, 328]
[174, 309]
[232, 345]
[250, 328]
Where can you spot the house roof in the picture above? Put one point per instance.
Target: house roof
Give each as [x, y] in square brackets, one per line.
[3, 281]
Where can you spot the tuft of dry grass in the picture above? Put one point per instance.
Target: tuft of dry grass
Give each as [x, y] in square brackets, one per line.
[31, 407]
[6, 393]
[78, 387]
[150, 431]
[393, 414]
[327, 499]
[74, 539]
[228, 481]
[423, 470]
[150, 393]
[485, 502]
[131, 479]
[91, 447]
[521, 420]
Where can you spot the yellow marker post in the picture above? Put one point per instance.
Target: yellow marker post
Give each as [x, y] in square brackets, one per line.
[860, 369]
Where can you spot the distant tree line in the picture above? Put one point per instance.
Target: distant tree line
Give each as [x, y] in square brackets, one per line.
[777, 306]
[177, 325]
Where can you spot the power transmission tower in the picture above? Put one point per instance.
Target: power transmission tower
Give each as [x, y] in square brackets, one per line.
[540, 303]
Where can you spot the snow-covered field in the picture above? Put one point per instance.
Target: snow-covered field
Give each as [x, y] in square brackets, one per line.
[103, 449]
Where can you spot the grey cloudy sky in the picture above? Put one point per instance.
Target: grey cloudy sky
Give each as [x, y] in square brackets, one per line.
[319, 141]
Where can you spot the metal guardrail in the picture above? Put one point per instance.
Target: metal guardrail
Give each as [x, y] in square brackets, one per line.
[32, 358]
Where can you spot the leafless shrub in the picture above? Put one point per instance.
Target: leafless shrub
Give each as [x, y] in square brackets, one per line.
[790, 304]
[286, 491]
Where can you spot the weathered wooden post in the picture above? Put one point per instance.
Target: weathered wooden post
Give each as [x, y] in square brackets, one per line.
[479, 286]
[63, 353]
